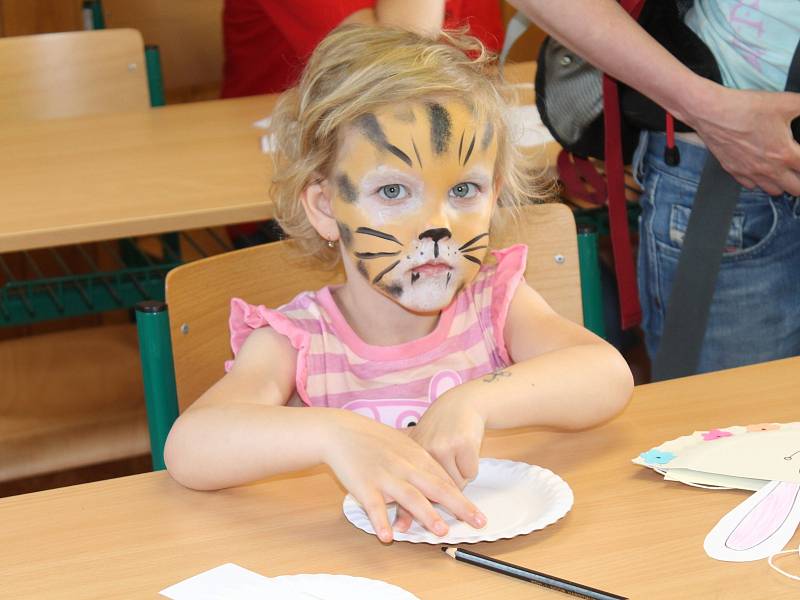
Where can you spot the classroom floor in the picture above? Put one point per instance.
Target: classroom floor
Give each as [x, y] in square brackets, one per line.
[635, 355]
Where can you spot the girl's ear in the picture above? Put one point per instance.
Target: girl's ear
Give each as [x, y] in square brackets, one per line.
[497, 188]
[317, 200]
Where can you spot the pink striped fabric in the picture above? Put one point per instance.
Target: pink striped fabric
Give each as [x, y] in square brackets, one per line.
[392, 384]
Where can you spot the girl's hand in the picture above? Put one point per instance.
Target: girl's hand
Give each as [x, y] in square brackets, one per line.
[451, 430]
[378, 464]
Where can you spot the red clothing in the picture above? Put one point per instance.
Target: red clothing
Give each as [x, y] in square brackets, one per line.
[267, 42]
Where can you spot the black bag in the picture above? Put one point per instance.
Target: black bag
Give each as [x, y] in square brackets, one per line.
[569, 92]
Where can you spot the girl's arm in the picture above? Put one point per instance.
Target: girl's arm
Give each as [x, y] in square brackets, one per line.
[564, 376]
[748, 131]
[240, 431]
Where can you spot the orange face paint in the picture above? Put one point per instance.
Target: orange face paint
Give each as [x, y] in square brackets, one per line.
[414, 193]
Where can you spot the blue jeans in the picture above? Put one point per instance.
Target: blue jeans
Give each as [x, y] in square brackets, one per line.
[755, 311]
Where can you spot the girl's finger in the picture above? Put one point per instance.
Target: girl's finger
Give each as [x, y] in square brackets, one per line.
[376, 511]
[467, 460]
[419, 507]
[444, 492]
[402, 520]
[455, 473]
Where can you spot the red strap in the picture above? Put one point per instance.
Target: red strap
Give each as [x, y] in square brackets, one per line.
[630, 309]
[633, 7]
[581, 179]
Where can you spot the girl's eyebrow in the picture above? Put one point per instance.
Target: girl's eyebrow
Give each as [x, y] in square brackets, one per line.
[383, 172]
[477, 173]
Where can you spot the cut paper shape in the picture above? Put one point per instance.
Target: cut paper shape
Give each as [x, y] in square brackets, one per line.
[712, 480]
[771, 455]
[232, 582]
[517, 499]
[760, 526]
[744, 455]
[527, 128]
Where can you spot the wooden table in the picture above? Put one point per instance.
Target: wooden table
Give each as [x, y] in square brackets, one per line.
[68, 181]
[629, 532]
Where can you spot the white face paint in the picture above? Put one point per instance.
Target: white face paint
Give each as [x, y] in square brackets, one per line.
[415, 195]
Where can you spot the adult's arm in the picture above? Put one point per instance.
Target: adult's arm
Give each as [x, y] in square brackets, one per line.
[748, 131]
[423, 16]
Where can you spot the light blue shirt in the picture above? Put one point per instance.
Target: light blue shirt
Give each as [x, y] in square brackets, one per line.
[752, 40]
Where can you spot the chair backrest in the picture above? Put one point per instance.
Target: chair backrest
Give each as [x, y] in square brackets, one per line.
[72, 74]
[199, 293]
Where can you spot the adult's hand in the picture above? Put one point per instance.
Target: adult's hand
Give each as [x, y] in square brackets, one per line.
[750, 134]
[747, 131]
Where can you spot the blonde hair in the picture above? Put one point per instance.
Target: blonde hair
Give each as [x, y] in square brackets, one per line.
[356, 70]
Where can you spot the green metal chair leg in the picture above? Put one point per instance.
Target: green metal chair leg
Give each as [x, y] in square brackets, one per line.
[591, 290]
[155, 349]
[155, 78]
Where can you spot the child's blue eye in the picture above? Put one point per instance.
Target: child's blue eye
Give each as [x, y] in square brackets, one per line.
[393, 191]
[464, 190]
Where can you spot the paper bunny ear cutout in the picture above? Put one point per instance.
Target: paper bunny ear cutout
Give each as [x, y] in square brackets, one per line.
[759, 527]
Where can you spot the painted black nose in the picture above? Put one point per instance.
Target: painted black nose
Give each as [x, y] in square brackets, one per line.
[436, 234]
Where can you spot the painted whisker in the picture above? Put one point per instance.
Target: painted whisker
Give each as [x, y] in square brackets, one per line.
[380, 275]
[380, 234]
[371, 255]
[474, 248]
[473, 259]
[472, 241]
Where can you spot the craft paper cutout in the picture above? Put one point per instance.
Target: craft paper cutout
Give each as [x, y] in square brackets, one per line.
[712, 480]
[758, 527]
[764, 457]
[771, 455]
[739, 454]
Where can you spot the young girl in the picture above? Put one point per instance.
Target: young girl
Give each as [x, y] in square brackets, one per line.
[393, 156]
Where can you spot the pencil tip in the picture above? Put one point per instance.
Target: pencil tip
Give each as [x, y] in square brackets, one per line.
[443, 548]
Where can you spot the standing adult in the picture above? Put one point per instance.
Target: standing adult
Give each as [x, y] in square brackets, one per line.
[745, 123]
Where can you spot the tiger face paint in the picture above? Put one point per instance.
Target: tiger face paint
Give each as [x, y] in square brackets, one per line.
[413, 195]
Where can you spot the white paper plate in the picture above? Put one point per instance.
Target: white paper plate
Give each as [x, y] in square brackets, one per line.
[517, 498]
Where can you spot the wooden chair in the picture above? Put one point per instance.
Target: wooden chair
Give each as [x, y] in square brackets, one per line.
[70, 398]
[199, 294]
[72, 74]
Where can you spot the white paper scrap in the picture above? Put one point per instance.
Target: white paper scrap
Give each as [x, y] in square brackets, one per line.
[263, 123]
[230, 582]
[527, 128]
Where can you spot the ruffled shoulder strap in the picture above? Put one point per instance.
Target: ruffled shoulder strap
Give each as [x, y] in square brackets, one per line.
[508, 272]
[246, 318]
